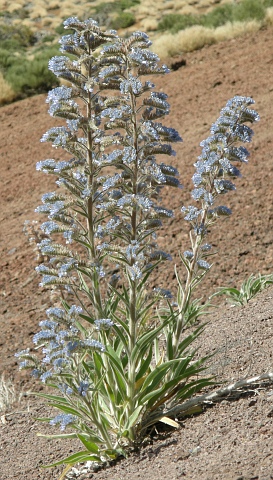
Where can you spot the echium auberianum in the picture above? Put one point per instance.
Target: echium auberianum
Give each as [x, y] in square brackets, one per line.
[214, 176]
[106, 205]
[102, 342]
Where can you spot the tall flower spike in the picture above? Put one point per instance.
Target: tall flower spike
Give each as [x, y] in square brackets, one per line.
[105, 355]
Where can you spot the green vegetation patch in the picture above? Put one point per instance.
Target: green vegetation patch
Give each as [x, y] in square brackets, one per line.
[174, 22]
[229, 12]
[249, 10]
[114, 14]
[28, 77]
[124, 20]
[218, 16]
[16, 36]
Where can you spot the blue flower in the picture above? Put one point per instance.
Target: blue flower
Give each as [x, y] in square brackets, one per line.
[63, 419]
[203, 265]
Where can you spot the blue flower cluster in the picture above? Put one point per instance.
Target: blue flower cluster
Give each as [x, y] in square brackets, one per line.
[215, 171]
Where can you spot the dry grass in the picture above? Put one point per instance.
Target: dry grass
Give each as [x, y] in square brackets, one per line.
[188, 10]
[38, 12]
[7, 94]
[146, 11]
[187, 40]
[13, 7]
[149, 24]
[269, 16]
[234, 30]
[54, 5]
[196, 37]
[8, 395]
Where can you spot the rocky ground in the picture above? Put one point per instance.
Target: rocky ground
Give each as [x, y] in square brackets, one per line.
[232, 439]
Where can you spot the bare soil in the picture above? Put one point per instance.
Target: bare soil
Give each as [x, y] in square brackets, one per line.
[234, 438]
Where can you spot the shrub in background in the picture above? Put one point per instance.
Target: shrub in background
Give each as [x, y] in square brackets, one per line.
[19, 34]
[116, 350]
[29, 77]
[7, 59]
[218, 16]
[249, 289]
[113, 14]
[248, 10]
[243, 11]
[7, 94]
[176, 22]
[123, 20]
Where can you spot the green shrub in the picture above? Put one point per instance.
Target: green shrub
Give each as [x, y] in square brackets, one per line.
[30, 77]
[11, 45]
[268, 3]
[248, 10]
[241, 12]
[5, 14]
[124, 4]
[47, 51]
[21, 34]
[120, 6]
[7, 59]
[48, 38]
[62, 31]
[174, 23]
[124, 20]
[218, 16]
[249, 289]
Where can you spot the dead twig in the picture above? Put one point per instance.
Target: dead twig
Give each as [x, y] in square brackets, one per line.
[191, 406]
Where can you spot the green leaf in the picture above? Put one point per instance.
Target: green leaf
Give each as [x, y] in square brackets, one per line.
[163, 391]
[118, 346]
[54, 398]
[190, 339]
[66, 409]
[118, 372]
[170, 346]
[121, 390]
[181, 367]
[156, 375]
[154, 395]
[192, 388]
[43, 419]
[98, 363]
[122, 296]
[89, 369]
[132, 420]
[115, 359]
[121, 336]
[144, 341]
[79, 457]
[142, 284]
[146, 309]
[145, 365]
[124, 325]
[87, 318]
[90, 446]
[61, 435]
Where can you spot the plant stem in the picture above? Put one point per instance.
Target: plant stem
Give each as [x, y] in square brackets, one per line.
[90, 219]
[133, 285]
